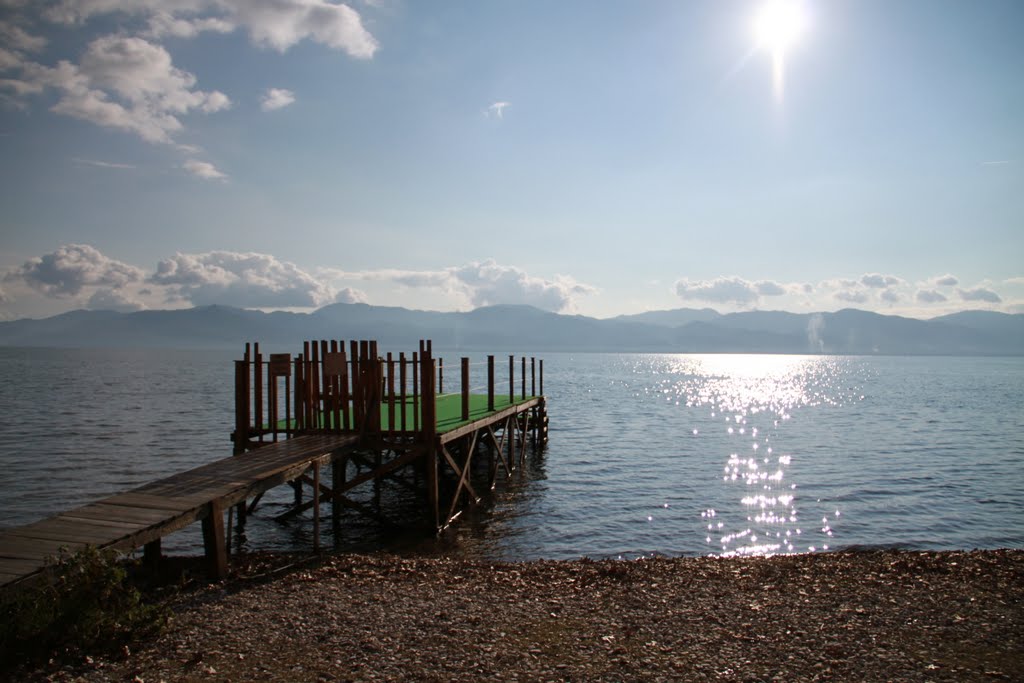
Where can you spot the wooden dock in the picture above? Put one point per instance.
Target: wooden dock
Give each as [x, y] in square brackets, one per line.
[365, 417]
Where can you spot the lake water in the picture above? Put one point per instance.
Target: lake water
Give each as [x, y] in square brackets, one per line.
[648, 454]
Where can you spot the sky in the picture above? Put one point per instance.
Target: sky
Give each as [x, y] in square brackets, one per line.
[587, 157]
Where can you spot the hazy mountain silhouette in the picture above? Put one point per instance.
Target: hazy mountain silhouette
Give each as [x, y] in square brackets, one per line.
[522, 328]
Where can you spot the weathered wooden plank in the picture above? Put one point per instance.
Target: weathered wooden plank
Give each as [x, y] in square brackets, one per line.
[26, 547]
[154, 502]
[6, 578]
[70, 534]
[119, 513]
[11, 565]
[69, 516]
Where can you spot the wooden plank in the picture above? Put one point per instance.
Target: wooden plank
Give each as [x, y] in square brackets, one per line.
[69, 516]
[120, 513]
[71, 534]
[6, 578]
[170, 503]
[25, 547]
[11, 565]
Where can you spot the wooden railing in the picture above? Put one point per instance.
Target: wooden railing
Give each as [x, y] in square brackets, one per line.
[328, 388]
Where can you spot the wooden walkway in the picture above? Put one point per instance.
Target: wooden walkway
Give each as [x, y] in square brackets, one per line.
[142, 516]
[294, 414]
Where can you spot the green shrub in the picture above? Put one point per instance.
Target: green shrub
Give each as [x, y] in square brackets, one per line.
[83, 604]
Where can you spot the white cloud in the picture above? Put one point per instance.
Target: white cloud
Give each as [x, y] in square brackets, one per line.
[851, 296]
[249, 280]
[486, 283]
[351, 296]
[15, 38]
[278, 24]
[276, 98]
[113, 300]
[946, 280]
[769, 288]
[73, 267]
[890, 296]
[930, 296]
[126, 83]
[497, 109]
[979, 294]
[20, 88]
[166, 24]
[736, 290]
[723, 290]
[102, 164]
[879, 281]
[4, 298]
[203, 169]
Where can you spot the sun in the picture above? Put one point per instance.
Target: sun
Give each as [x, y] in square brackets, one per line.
[778, 24]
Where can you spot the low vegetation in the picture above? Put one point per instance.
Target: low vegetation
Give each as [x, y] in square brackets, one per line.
[84, 604]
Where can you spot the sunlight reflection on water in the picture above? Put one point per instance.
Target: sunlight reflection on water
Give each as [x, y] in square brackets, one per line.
[748, 397]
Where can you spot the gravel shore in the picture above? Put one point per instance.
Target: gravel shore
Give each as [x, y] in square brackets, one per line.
[860, 616]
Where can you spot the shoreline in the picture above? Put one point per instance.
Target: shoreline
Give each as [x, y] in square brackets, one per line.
[864, 616]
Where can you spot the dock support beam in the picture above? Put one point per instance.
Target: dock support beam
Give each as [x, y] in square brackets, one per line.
[151, 554]
[213, 543]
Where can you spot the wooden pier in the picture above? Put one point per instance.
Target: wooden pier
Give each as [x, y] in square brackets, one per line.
[363, 416]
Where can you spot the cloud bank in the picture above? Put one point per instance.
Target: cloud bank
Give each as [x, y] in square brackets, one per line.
[247, 280]
[733, 290]
[485, 283]
[80, 275]
[70, 269]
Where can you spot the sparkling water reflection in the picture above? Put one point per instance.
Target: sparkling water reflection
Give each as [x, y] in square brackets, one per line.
[742, 400]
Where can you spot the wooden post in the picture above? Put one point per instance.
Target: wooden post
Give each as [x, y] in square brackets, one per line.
[465, 388]
[511, 379]
[242, 417]
[340, 383]
[490, 383]
[541, 376]
[316, 507]
[391, 394]
[241, 403]
[257, 375]
[313, 387]
[151, 554]
[429, 434]
[440, 375]
[533, 376]
[401, 390]
[338, 470]
[524, 376]
[213, 542]
[417, 400]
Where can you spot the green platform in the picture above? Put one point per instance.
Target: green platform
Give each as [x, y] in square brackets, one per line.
[449, 412]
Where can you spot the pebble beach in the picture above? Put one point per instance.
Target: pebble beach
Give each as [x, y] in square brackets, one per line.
[840, 616]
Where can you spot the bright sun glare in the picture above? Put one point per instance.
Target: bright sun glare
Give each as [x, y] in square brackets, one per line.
[777, 26]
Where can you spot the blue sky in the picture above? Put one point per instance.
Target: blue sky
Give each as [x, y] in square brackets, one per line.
[587, 157]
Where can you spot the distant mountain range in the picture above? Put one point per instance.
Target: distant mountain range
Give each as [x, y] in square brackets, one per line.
[524, 328]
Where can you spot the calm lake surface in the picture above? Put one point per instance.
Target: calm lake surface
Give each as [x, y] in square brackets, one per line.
[648, 454]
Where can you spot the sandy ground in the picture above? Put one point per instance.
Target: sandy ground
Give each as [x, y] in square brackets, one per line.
[865, 616]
